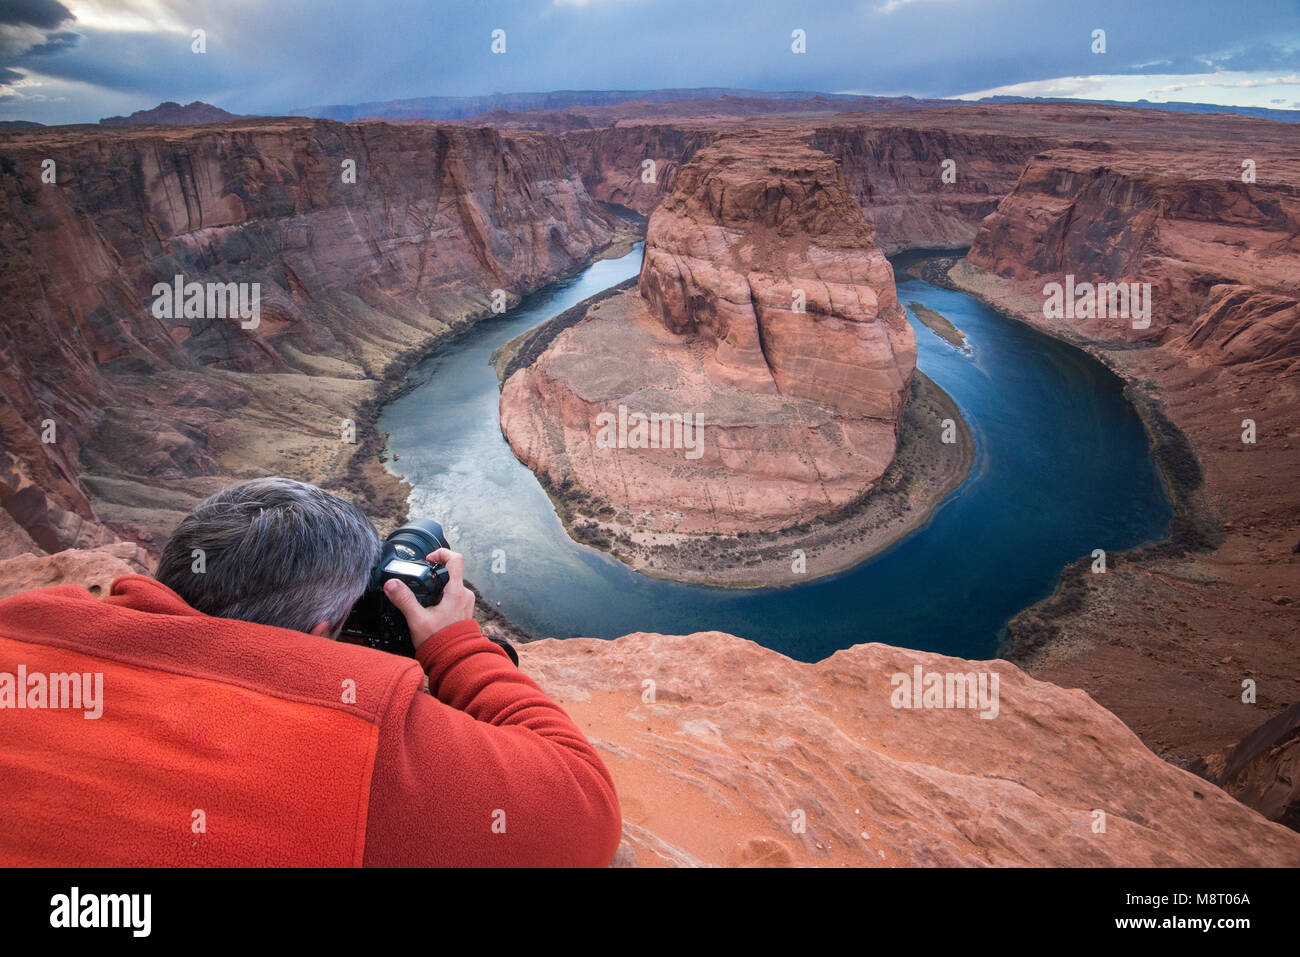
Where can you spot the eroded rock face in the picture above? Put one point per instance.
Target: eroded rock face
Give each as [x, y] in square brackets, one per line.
[764, 311]
[612, 161]
[897, 175]
[1263, 770]
[1168, 638]
[761, 249]
[1219, 254]
[715, 761]
[93, 568]
[353, 270]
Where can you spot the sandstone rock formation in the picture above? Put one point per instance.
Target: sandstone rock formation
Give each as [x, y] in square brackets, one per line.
[896, 172]
[1172, 634]
[93, 569]
[894, 161]
[612, 160]
[760, 250]
[1220, 254]
[764, 310]
[171, 113]
[1263, 770]
[368, 242]
[738, 739]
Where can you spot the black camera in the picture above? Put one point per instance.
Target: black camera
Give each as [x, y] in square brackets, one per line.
[374, 620]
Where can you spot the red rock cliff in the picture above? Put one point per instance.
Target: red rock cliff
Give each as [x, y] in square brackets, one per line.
[896, 174]
[612, 160]
[1170, 635]
[1220, 254]
[761, 250]
[351, 275]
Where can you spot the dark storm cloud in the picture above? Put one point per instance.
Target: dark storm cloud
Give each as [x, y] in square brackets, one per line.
[42, 14]
[55, 43]
[134, 62]
[273, 57]
[24, 25]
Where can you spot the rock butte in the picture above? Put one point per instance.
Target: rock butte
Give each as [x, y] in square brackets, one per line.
[738, 738]
[764, 307]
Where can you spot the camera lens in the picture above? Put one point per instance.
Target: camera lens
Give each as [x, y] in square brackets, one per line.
[416, 539]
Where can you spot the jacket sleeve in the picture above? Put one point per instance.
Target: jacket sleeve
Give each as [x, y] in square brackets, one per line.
[485, 770]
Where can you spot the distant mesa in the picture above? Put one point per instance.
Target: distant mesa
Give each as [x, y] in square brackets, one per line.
[604, 107]
[173, 114]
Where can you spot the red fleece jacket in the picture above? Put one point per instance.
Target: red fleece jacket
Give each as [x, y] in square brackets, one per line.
[228, 743]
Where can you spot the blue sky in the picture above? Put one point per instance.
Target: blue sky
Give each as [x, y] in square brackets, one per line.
[64, 61]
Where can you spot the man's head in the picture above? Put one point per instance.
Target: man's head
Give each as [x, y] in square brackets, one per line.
[274, 551]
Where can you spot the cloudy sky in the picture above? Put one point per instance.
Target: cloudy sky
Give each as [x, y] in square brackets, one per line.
[70, 61]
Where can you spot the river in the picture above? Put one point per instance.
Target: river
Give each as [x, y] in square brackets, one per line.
[1062, 467]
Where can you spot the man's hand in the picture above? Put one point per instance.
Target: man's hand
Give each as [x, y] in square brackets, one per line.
[456, 604]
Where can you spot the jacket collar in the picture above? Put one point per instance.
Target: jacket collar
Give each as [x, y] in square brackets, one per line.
[142, 593]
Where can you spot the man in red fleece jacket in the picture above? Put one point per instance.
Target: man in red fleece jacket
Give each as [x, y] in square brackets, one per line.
[214, 722]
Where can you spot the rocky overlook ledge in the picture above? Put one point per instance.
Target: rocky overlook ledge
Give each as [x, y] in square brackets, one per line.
[727, 753]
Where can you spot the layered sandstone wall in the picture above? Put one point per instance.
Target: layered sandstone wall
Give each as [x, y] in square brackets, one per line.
[894, 172]
[1220, 254]
[897, 176]
[761, 250]
[352, 274]
[612, 160]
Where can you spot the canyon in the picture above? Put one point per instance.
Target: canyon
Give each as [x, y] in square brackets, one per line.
[1173, 633]
[360, 279]
[367, 243]
[1211, 615]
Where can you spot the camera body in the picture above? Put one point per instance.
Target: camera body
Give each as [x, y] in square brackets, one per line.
[374, 620]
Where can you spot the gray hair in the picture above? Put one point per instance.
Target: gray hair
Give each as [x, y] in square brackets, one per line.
[272, 551]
